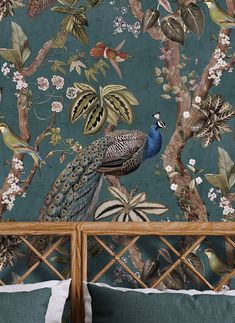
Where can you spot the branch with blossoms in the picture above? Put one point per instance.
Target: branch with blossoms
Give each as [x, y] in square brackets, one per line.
[188, 113]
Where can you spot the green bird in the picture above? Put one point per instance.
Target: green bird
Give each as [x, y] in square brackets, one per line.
[219, 15]
[18, 145]
[217, 265]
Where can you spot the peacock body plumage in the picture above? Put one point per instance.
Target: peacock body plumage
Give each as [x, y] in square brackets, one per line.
[117, 153]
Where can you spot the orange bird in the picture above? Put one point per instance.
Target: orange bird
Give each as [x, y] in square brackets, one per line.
[112, 54]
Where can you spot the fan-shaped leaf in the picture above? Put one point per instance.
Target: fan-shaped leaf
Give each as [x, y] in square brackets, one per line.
[118, 194]
[120, 105]
[149, 19]
[173, 30]
[112, 88]
[138, 198]
[194, 18]
[138, 216]
[196, 262]
[82, 104]
[95, 119]
[151, 208]
[109, 208]
[150, 269]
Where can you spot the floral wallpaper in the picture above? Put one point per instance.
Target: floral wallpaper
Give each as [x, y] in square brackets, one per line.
[117, 110]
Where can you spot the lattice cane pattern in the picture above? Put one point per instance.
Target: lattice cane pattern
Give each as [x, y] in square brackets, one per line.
[42, 258]
[181, 258]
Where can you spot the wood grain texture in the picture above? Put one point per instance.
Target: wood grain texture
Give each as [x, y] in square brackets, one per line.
[78, 233]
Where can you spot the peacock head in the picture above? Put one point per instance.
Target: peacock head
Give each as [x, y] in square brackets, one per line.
[209, 3]
[159, 122]
[4, 127]
[209, 252]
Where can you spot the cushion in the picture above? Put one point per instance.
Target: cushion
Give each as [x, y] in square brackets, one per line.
[105, 304]
[24, 307]
[59, 294]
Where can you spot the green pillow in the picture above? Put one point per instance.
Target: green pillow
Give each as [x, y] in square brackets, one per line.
[116, 306]
[24, 307]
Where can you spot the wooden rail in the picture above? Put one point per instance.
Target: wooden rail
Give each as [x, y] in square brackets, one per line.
[78, 234]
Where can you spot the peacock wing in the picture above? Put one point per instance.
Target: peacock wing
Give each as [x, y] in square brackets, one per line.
[124, 152]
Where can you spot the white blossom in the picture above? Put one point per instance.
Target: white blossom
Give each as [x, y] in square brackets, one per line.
[168, 168]
[56, 106]
[198, 180]
[58, 82]
[192, 162]
[198, 99]
[174, 186]
[186, 114]
[43, 83]
[71, 93]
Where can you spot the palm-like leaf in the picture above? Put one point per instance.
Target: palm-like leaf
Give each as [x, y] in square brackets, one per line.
[215, 112]
[128, 207]
[113, 102]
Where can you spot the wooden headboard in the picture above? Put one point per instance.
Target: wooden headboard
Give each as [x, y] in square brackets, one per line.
[78, 234]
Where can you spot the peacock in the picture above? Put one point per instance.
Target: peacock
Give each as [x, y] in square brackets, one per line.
[117, 153]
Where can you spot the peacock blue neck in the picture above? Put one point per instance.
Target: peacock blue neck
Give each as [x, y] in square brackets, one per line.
[154, 142]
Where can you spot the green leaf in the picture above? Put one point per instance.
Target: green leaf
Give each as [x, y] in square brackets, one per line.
[20, 42]
[130, 97]
[149, 19]
[95, 120]
[78, 31]
[173, 30]
[219, 181]
[58, 66]
[12, 56]
[82, 104]
[225, 163]
[111, 88]
[95, 3]
[193, 18]
[231, 180]
[62, 10]
[120, 105]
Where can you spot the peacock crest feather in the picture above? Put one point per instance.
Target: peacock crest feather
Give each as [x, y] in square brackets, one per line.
[35, 7]
[215, 112]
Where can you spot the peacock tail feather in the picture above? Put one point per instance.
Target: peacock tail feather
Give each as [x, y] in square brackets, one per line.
[36, 7]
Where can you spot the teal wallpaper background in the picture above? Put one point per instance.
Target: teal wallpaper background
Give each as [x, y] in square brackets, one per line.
[138, 75]
[117, 64]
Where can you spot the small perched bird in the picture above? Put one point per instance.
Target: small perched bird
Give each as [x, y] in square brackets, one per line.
[118, 153]
[113, 55]
[219, 15]
[217, 265]
[18, 145]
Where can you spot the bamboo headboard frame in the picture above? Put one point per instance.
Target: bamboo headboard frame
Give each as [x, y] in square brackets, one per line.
[78, 233]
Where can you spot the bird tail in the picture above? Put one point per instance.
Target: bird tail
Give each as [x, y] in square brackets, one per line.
[39, 161]
[75, 190]
[98, 51]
